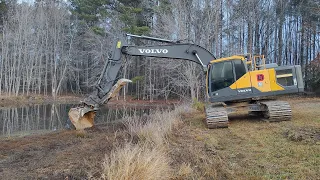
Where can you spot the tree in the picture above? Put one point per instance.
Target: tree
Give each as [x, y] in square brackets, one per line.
[313, 76]
[92, 12]
[3, 12]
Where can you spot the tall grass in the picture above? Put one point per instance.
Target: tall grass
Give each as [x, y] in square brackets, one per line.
[153, 129]
[146, 159]
[136, 162]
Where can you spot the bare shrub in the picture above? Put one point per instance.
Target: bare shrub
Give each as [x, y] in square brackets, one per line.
[136, 162]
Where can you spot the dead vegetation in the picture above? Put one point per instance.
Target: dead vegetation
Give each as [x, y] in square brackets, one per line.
[145, 156]
[136, 162]
[173, 145]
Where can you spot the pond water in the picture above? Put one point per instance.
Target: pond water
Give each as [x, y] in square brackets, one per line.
[35, 119]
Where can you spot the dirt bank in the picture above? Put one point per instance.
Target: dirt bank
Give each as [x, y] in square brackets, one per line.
[249, 149]
[17, 101]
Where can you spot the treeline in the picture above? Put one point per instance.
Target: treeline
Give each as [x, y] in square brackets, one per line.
[55, 47]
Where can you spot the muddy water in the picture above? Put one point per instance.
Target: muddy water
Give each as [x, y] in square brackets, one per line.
[22, 121]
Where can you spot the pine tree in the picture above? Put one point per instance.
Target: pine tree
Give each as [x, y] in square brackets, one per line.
[3, 12]
[136, 15]
[92, 12]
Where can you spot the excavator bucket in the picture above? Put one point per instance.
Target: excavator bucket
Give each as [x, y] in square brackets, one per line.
[83, 117]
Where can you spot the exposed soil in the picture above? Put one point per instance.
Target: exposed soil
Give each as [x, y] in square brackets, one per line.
[249, 149]
[60, 155]
[306, 134]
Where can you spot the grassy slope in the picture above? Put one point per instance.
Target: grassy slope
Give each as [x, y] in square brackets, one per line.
[170, 146]
[254, 149]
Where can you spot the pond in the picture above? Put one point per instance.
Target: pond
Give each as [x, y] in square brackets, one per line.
[35, 119]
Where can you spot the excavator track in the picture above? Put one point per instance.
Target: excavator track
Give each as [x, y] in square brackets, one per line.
[216, 117]
[277, 111]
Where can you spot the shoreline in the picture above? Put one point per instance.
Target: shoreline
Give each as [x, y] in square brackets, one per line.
[18, 101]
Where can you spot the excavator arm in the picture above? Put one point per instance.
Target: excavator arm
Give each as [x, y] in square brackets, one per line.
[108, 84]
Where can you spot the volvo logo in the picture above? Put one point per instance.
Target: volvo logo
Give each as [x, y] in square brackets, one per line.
[244, 90]
[153, 51]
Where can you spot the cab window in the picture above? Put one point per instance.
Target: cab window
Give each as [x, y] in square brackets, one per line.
[221, 75]
[240, 68]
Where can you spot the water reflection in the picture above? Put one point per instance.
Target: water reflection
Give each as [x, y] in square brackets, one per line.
[35, 119]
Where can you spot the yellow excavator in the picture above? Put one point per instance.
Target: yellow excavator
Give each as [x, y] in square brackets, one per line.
[232, 83]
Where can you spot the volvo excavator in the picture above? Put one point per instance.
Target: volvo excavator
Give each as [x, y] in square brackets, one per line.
[232, 83]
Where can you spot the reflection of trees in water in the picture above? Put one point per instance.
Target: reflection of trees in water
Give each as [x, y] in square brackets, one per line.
[112, 115]
[29, 119]
[108, 115]
[51, 117]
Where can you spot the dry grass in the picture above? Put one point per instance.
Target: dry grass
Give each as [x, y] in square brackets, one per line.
[185, 171]
[137, 163]
[147, 158]
[253, 149]
[155, 128]
[249, 149]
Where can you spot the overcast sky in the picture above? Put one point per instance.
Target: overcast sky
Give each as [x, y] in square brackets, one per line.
[30, 1]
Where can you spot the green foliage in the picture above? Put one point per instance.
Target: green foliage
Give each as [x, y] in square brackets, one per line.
[308, 9]
[136, 10]
[137, 78]
[133, 19]
[137, 30]
[3, 10]
[98, 30]
[198, 105]
[91, 11]
[165, 7]
[313, 75]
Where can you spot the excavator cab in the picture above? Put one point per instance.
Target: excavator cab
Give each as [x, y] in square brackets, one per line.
[224, 74]
[249, 79]
[240, 78]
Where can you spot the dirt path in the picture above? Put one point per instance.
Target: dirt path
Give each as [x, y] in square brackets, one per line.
[248, 149]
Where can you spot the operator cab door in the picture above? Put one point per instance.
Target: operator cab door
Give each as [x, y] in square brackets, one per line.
[229, 80]
[221, 77]
[243, 82]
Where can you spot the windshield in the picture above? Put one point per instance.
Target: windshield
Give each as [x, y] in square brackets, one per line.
[221, 75]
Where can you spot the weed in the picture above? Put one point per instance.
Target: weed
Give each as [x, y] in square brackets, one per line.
[198, 105]
[82, 134]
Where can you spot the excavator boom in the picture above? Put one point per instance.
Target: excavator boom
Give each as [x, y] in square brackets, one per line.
[108, 84]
